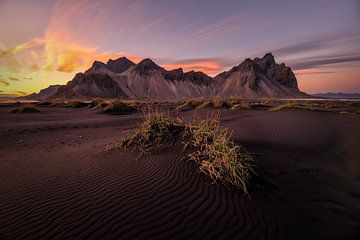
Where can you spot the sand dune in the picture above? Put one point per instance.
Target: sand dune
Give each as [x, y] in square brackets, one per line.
[58, 182]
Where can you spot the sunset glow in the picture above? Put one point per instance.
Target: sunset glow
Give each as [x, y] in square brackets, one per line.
[47, 42]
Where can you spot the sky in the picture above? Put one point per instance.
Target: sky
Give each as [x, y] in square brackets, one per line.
[44, 42]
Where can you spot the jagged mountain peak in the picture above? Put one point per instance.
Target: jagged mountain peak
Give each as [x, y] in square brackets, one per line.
[97, 64]
[147, 65]
[266, 62]
[119, 65]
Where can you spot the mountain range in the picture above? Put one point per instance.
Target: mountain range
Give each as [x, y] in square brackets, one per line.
[122, 78]
[338, 95]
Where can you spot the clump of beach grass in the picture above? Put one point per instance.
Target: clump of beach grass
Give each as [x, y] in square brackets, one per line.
[26, 109]
[44, 103]
[98, 103]
[156, 129]
[205, 142]
[218, 156]
[189, 105]
[292, 105]
[240, 105]
[75, 104]
[119, 107]
[216, 103]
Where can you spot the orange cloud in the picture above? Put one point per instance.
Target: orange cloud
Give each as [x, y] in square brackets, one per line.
[210, 67]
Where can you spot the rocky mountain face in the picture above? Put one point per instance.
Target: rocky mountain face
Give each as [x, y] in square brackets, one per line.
[261, 77]
[44, 93]
[121, 78]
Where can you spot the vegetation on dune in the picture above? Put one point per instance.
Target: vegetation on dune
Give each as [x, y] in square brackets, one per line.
[98, 103]
[218, 156]
[209, 146]
[292, 105]
[44, 103]
[26, 109]
[240, 106]
[189, 105]
[352, 104]
[156, 129]
[216, 103]
[75, 104]
[119, 107]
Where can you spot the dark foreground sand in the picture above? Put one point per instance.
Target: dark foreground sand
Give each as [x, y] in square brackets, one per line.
[57, 181]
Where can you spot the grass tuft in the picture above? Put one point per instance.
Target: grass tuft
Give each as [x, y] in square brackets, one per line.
[155, 130]
[119, 107]
[210, 146]
[44, 103]
[26, 109]
[98, 103]
[240, 106]
[216, 103]
[75, 104]
[218, 156]
[189, 105]
[291, 105]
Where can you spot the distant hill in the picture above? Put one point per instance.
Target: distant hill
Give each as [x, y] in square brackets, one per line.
[43, 94]
[338, 95]
[121, 78]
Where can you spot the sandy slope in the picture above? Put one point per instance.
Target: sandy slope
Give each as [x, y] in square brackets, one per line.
[57, 182]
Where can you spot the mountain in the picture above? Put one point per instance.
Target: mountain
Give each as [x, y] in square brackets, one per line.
[338, 95]
[258, 78]
[43, 94]
[121, 78]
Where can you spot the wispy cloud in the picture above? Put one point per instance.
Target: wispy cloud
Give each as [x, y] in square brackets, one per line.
[4, 82]
[20, 93]
[323, 61]
[299, 73]
[209, 66]
[14, 79]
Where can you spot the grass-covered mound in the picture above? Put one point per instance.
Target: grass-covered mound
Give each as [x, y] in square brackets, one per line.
[217, 103]
[206, 143]
[240, 105]
[75, 104]
[98, 103]
[190, 104]
[26, 109]
[218, 156]
[45, 103]
[156, 129]
[119, 107]
[293, 105]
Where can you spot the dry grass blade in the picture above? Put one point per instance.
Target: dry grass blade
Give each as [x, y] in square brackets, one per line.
[219, 157]
[156, 129]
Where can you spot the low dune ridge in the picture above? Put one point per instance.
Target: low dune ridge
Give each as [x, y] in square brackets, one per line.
[59, 182]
